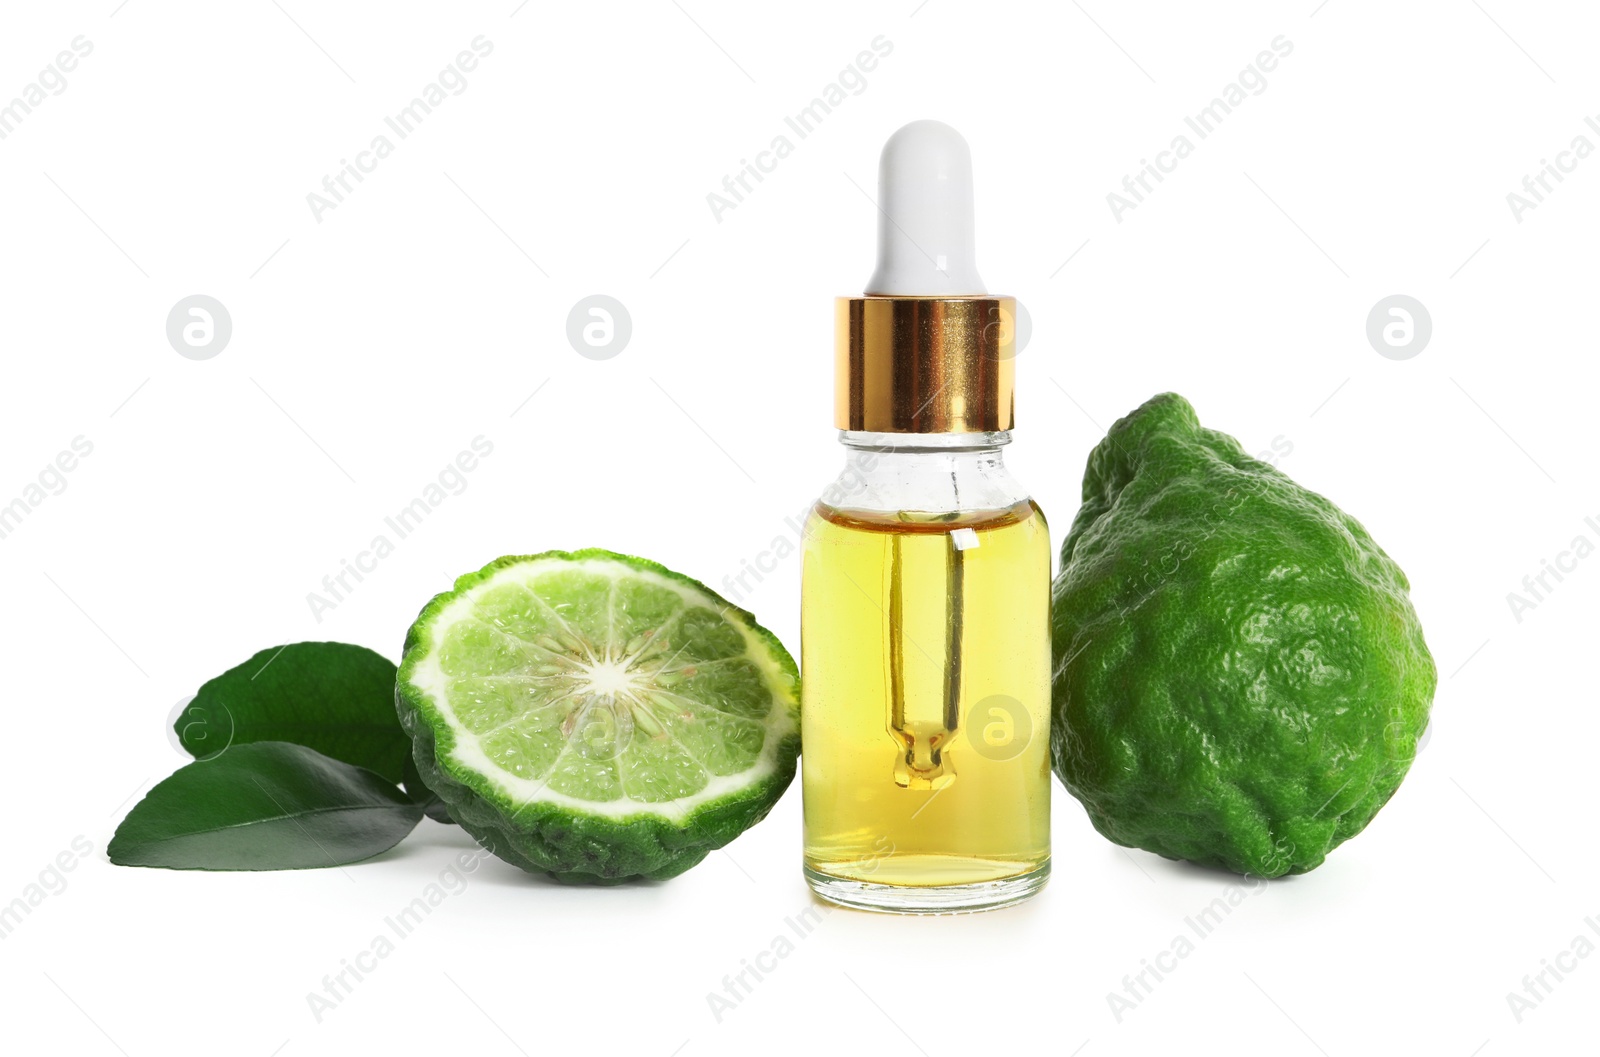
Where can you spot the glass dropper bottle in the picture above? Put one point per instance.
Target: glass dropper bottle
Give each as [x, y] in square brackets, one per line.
[925, 597]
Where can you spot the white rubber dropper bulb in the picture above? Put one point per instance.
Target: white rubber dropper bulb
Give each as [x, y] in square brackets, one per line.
[925, 240]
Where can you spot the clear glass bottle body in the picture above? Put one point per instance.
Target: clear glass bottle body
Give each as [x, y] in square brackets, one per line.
[925, 650]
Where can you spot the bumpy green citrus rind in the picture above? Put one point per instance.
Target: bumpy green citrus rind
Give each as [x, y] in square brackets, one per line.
[1240, 678]
[567, 843]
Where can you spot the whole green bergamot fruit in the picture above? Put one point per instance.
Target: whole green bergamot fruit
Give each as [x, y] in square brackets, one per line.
[1240, 679]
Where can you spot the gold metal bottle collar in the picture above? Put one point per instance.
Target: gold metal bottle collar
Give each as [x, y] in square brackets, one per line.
[924, 364]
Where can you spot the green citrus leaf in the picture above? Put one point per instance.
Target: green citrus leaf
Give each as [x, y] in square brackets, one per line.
[329, 696]
[269, 805]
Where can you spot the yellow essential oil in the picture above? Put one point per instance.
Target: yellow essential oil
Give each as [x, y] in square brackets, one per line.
[925, 698]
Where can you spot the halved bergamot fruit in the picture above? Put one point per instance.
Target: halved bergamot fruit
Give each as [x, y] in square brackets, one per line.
[598, 717]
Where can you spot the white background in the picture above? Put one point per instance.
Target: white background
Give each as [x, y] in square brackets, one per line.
[372, 346]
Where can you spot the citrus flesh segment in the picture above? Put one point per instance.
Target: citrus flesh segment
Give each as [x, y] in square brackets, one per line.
[598, 717]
